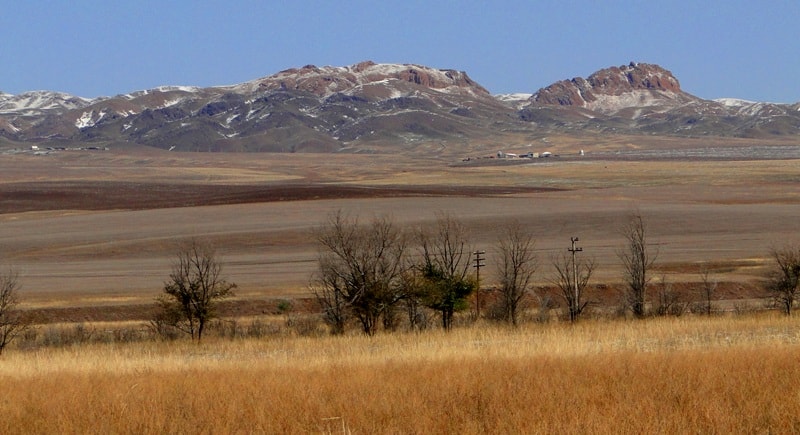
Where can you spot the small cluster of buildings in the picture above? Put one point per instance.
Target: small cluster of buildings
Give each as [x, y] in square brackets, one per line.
[530, 155]
[37, 150]
[502, 155]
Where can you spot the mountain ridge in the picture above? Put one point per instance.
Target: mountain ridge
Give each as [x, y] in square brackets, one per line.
[370, 107]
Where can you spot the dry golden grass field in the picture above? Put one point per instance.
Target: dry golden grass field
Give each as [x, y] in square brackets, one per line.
[93, 236]
[720, 374]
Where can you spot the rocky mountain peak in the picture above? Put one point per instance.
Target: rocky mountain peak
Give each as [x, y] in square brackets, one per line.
[622, 79]
[609, 82]
[328, 80]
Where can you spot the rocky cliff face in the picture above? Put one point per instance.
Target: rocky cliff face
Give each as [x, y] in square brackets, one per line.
[646, 98]
[614, 81]
[325, 81]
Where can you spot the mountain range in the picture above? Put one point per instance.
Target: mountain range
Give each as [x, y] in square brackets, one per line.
[369, 107]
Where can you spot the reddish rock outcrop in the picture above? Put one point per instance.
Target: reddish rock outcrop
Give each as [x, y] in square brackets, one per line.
[326, 80]
[609, 81]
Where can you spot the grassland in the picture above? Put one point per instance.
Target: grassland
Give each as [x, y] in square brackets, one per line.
[720, 374]
[95, 233]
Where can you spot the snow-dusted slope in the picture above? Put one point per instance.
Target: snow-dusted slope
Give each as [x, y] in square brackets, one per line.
[752, 108]
[517, 100]
[334, 108]
[637, 98]
[308, 108]
[328, 80]
[34, 102]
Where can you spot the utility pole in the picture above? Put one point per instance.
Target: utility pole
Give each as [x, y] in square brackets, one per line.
[479, 262]
[576, 306]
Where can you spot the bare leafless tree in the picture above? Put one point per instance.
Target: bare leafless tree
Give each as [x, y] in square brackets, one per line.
[637, 258]
[784, 280]
[445, 267]
[572, 275]
[329, 291]
[707, 290]
[12, 321]
[360, 271]
[195, 286]
[669, 301]
[516, 266]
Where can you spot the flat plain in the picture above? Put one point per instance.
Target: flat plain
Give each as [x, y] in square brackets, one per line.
[101, 227]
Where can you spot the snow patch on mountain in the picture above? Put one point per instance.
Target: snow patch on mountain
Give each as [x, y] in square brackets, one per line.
[636, 98]
[162, 90]
[8, 126]
[37, 101]
[519, 96]
[733, 102]
[170, 103]
[517, 100]
[752, 108]
[88, 119]
[189, 89]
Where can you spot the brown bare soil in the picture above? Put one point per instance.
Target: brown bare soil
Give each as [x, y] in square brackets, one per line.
[110, 195]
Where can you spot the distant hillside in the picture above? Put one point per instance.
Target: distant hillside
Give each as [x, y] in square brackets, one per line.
[371, 107]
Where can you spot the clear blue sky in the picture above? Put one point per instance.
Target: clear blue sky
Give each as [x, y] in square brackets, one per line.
[741, 49]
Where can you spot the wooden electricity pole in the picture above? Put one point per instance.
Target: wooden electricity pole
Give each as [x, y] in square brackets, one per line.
[479, 262]
[573, 249]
